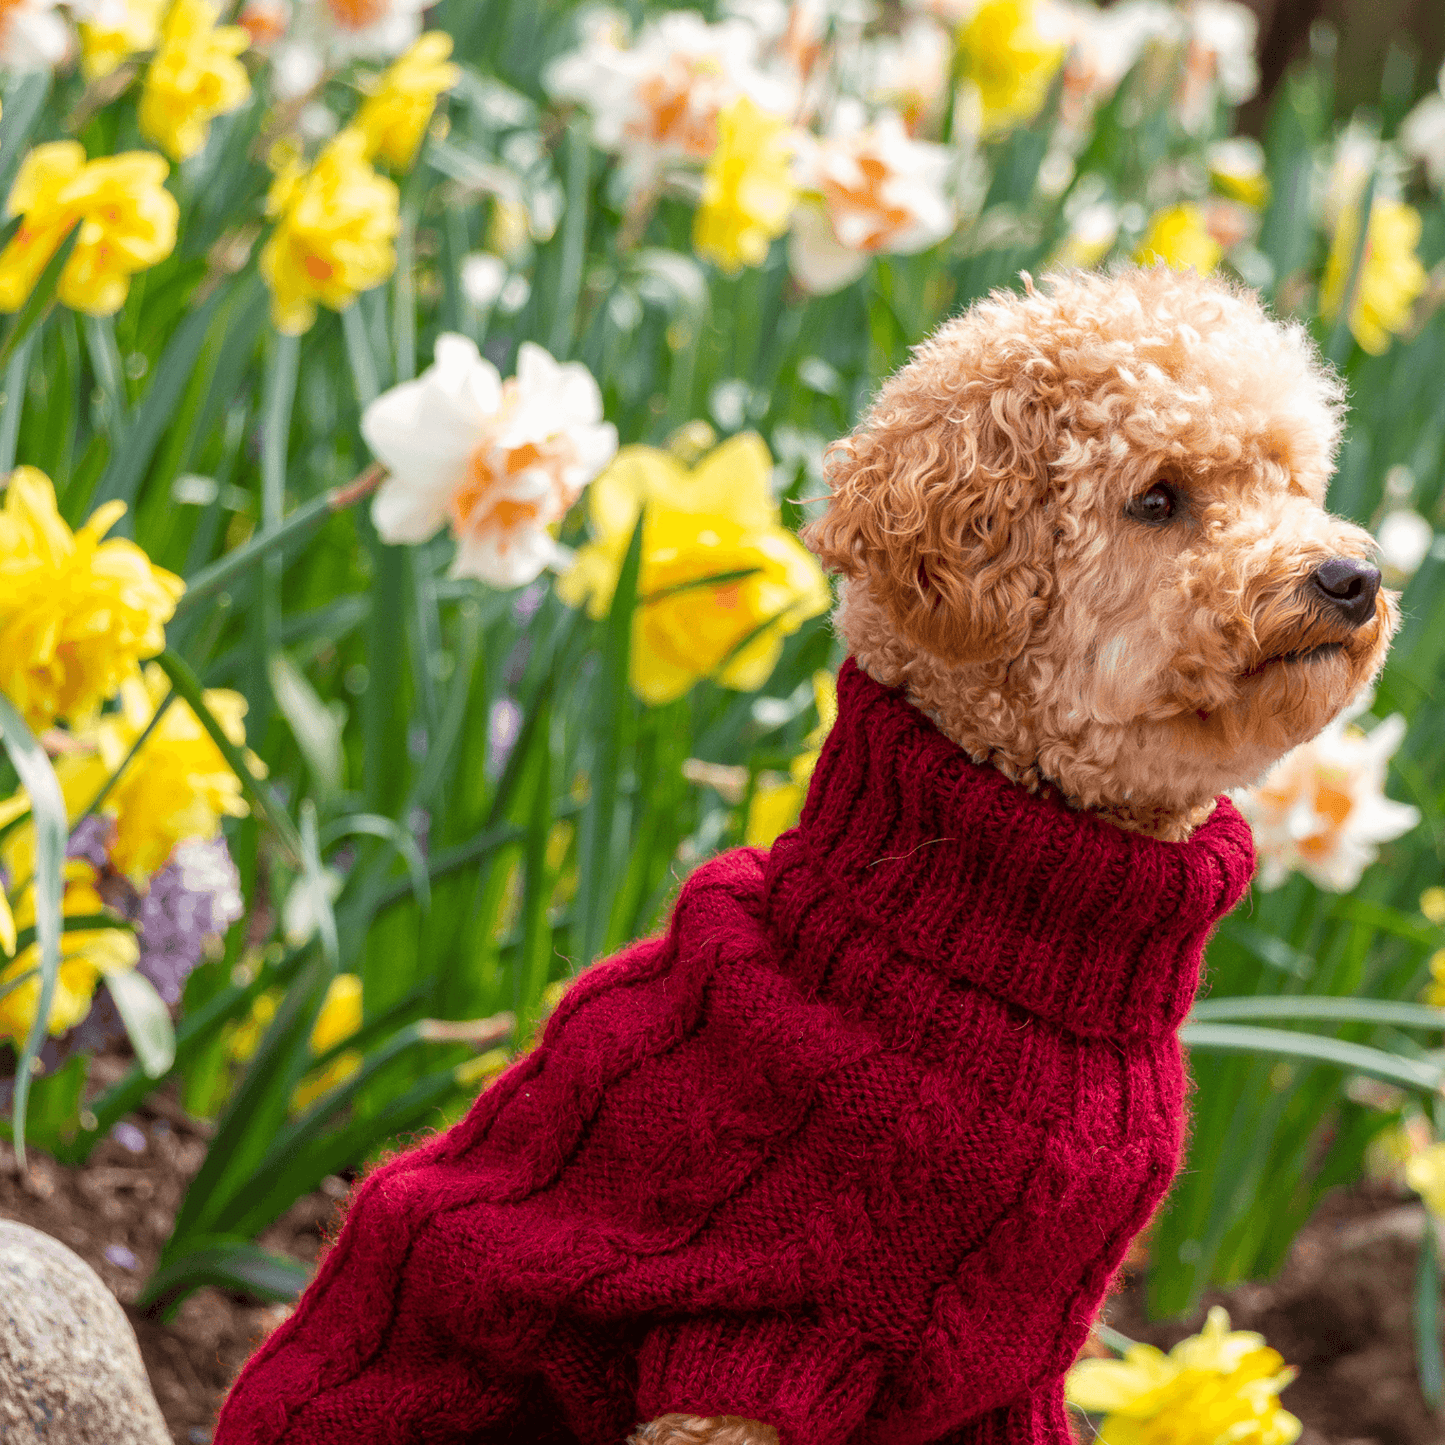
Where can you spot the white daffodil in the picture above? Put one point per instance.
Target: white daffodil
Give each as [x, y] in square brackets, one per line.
[1405, 539]
[1090, 237]
[658, 100]
[1322, 809]
[32, 36]
[1106, 45]
[502, 461]
[322, 34]
[1219, 62]
[868, 190]
[1422, 133]
[908, 72]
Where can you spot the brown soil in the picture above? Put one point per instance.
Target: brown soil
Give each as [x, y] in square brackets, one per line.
[1340, 1311]
[124, 1202]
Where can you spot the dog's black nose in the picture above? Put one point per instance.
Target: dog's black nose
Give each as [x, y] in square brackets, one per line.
[1348, 586]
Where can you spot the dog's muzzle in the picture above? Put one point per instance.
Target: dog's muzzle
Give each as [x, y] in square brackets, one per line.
[1346, 587]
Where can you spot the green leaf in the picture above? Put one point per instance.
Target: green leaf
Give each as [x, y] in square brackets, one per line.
[1311, 1048]
[374, 825]
[312, 723]
[1428, 1362]
[147, 1021]
[25, 95]
[142, 433]
[41, 301]
[243, 558]
[227, 1264]
[1341, 1010]
[47, 807]
[595, 844]
[188, 686]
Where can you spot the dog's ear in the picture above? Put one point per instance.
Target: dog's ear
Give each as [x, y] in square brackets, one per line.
[940, 505]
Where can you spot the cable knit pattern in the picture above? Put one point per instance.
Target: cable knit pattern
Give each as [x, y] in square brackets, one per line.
[853, 1148]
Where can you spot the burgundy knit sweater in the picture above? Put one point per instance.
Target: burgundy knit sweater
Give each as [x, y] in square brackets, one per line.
[853, 1149]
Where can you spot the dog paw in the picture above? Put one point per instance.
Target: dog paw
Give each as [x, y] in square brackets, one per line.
[704, 1430]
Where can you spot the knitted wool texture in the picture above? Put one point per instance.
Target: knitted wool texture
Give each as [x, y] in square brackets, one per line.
[853, 1149]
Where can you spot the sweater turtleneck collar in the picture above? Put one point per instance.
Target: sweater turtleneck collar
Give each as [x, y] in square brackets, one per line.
[1060, 913]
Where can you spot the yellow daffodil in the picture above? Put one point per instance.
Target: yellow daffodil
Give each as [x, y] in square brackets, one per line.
[176, 787]
[76, 613]
[242, 1037]
[1009, 62]
[128, 223]
[1425, 1174]
[395, 116]
[86, 955]
[1391, 274]
[1432, 904]
[775, 806]
[126, 216]
[717, 519]
[45, 222]
[1218, 1385]
[194, 77]
[1236, 170]
[748, 193]
[1434, 991]
[1179, 238]
[340, 1017]
[130, 26]
[334, 234]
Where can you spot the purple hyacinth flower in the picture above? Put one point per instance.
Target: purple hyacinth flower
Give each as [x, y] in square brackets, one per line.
[196, 894]
[90, 840]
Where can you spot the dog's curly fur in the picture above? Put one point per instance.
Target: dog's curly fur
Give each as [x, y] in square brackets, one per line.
[978, 516]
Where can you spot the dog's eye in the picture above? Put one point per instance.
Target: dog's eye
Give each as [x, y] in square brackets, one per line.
[1158, 504]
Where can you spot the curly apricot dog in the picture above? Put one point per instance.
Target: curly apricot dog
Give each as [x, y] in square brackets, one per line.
[849, 1153]
[1083, 530]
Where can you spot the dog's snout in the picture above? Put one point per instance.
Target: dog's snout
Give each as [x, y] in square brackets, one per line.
[1350, 587]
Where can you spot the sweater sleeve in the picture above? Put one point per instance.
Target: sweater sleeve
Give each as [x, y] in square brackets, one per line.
[813, 1387]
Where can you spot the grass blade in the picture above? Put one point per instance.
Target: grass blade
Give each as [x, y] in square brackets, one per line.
[1341, 1010]
[1311, 1048]
[147, 1022]
[47, 807]
[595, 853]
[188, 686]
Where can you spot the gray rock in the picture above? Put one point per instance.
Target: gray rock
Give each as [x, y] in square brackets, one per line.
[70, 1369]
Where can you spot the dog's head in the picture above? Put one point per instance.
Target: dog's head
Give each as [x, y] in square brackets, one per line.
[1084, 526]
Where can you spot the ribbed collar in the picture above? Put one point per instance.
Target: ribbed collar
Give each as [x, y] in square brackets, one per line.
[1059, 912]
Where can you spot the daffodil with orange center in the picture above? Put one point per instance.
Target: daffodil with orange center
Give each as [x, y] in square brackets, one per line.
[501, 461]
[1322, 809]
[336, 226]
[868, 190]
[715, 521]
[76, 613]
[126, 216]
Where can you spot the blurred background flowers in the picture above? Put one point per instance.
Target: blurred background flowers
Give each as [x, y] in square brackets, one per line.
[408, 414]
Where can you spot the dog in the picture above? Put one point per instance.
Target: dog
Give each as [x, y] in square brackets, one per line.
[849, 1154]
[1083, 529]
